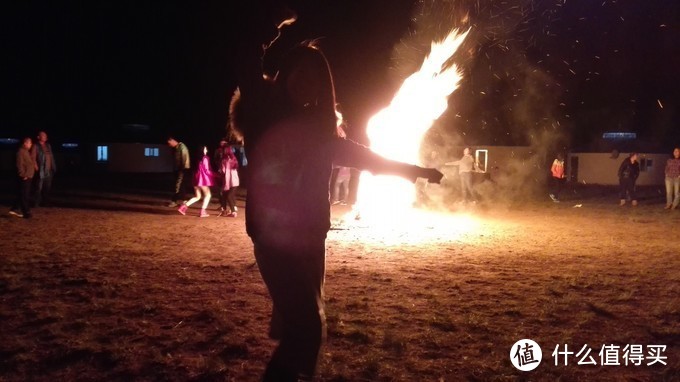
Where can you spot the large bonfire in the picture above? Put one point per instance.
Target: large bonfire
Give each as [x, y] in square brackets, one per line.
[397, 132]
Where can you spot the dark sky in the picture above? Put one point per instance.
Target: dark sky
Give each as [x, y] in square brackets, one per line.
[571, 67]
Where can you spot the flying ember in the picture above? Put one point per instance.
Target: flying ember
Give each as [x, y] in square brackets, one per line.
[397, 132]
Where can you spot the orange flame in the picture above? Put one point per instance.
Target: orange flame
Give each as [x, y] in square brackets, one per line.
[397, 131]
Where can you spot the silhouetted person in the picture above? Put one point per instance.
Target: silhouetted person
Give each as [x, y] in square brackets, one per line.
[628, 174]
[290, 132]
[182, 168]
[45, 168]
[25, 171]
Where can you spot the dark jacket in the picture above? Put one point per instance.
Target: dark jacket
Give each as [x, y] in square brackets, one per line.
[182, 161]
[43, 158]
[25, 165]
[629, 170]
[289, 173]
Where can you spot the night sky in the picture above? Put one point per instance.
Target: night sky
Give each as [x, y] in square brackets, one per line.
[571, 69]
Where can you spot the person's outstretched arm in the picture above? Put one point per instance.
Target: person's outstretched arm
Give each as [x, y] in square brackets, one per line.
[351, 154]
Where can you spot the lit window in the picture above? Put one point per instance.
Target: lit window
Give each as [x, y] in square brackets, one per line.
[646, 164]
[151, 151]
[619, 135]
[102, 153]
[482, 159]
[9, 141]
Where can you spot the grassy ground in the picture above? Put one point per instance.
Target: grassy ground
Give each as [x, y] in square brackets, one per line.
[112, 285]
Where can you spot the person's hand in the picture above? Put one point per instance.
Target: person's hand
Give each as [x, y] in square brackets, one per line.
[431, 174]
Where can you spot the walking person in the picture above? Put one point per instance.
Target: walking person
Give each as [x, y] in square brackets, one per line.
[229, 182]
[672, 180]
[203, 180]
[25, 171]
[45, 168]
[628, 174]
[182, 168]
[289, 124]
[557, 178]
[466, 166]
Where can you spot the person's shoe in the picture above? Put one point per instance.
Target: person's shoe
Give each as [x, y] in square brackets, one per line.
[222, 211]
[668, 207]
[203, 214]
[16, 213]
[634, 203]
[552, 196]
[172, 204]
[235, 209]
[674, 207]
[183, 209]
[622, 202]
[232, 214]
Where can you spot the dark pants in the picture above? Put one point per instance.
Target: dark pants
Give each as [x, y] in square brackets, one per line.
[42, 189]
[181, 184]
[23, 197]
[557, 184]
[627, 188]
[294, 279]
[228, 197]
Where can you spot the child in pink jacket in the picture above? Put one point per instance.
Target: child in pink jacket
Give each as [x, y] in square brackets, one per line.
[203, 180]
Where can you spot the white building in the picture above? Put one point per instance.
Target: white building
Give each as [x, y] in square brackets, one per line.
[131, 157]
[602, 168]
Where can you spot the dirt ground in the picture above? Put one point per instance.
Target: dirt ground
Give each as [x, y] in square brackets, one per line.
[112, 285]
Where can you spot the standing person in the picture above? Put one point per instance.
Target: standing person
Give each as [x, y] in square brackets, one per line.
[466, 166]
[45, 167]
[25, 171]
[672, 172]
[182, 168]
[219, 153]
[342, 173]
[557, 178]
[340, 193]
[290, 131]
[230, 180]
[203, 180]
[628, 174]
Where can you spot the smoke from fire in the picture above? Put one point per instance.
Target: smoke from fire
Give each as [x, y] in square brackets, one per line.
[505, 97]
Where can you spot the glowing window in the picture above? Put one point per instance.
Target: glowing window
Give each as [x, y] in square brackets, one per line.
[9, 141]
[102, 153]
[619, 135]
[482, 159]
[151, 151]
[646, 164]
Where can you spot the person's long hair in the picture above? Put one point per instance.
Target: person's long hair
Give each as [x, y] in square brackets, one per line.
[303, 85]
